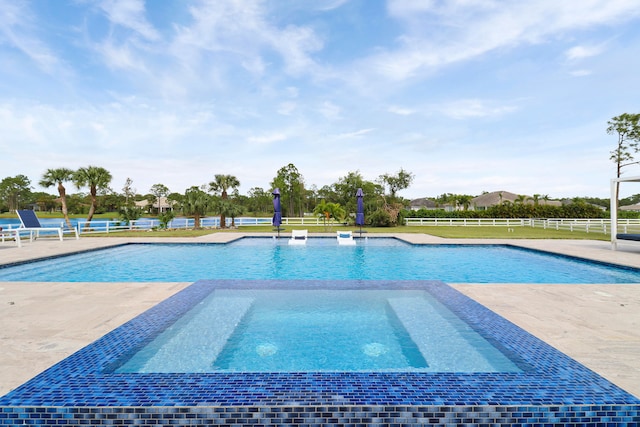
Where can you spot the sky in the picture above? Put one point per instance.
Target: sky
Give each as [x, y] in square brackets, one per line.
[468, 95]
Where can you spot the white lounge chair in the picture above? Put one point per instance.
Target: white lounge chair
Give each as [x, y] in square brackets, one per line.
[11, 233]
[29, 222]
[345, 238]
[298, 237]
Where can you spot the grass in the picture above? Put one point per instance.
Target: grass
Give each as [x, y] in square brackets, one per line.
[452, 232]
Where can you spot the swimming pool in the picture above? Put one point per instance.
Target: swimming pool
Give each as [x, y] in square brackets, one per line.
[321, 259]
[549, 388]
[319, 330]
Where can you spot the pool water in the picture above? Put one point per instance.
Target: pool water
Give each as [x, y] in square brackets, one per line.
[321, 258]
[319, 330]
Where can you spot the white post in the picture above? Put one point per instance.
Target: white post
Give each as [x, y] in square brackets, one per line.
[614, 214]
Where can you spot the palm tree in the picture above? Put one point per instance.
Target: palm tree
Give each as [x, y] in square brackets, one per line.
[57, 176]
[227, 208]
[221, 185]
[464, 201]
[195, 202]
[95, 178]
[329, 210]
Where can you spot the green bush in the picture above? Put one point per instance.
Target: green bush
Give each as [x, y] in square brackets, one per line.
[165, 218]
[510, 210]
[380, 218]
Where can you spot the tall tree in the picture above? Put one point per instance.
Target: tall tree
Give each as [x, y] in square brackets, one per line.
[345, 189]
[96, 178]
[259, 200]
[291, 185]
[220, 186]
[13, 190]
[159, 191]
[195, 203]
[128, 191]
[397, 182]
[627, 128]
[58, 176]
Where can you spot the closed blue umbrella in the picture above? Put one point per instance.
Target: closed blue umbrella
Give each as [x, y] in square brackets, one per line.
[360, 209]
[277, 210]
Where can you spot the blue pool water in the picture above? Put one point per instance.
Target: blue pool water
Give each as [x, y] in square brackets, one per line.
[319, 330]
[321, 258]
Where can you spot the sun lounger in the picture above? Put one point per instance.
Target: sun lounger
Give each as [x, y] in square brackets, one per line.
[298, 237]
[30, 223]
[345, 238]
[632, 237]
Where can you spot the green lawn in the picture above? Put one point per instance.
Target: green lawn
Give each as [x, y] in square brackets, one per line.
[456, 232]
[503, 233]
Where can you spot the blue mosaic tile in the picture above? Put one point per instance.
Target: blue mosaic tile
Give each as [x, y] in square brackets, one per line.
[552, 388]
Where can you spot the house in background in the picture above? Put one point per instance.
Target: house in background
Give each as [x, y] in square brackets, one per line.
[631, 208]
[149, 207]
[494, 198]
[430, 205]
[423, 203]
[483, 202]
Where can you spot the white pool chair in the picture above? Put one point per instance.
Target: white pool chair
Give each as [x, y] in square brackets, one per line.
[29, 223]
[298, 237]
[11, 233]
[345, 238]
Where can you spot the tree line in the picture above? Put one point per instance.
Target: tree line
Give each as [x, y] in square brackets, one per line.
[218, 197]
[383, 205]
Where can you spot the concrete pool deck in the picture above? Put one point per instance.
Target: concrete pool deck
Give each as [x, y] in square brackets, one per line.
[598, 325]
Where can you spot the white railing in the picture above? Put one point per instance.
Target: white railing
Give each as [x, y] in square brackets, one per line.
[111, 226]
[570, 224]
[587, 225]
[469, 222]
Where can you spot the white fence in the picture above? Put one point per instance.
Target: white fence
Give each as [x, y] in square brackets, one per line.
[105, 226]
[469, 222]
[587, 225]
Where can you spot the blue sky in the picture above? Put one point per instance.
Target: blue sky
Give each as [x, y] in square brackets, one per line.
[468, 95]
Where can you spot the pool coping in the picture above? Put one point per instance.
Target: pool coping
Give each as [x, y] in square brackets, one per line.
[550, 377]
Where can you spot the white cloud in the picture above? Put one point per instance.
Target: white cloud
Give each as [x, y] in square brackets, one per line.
[240, 29]
[121, 57]
[286, 108]
[474, 108]
[130, 14]
[355, 134]
[580, 73]
[329, 4]
[441, 33]
[19, 29]
[330, 111]
[401, 111]
[267, 139]
[581, 52]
